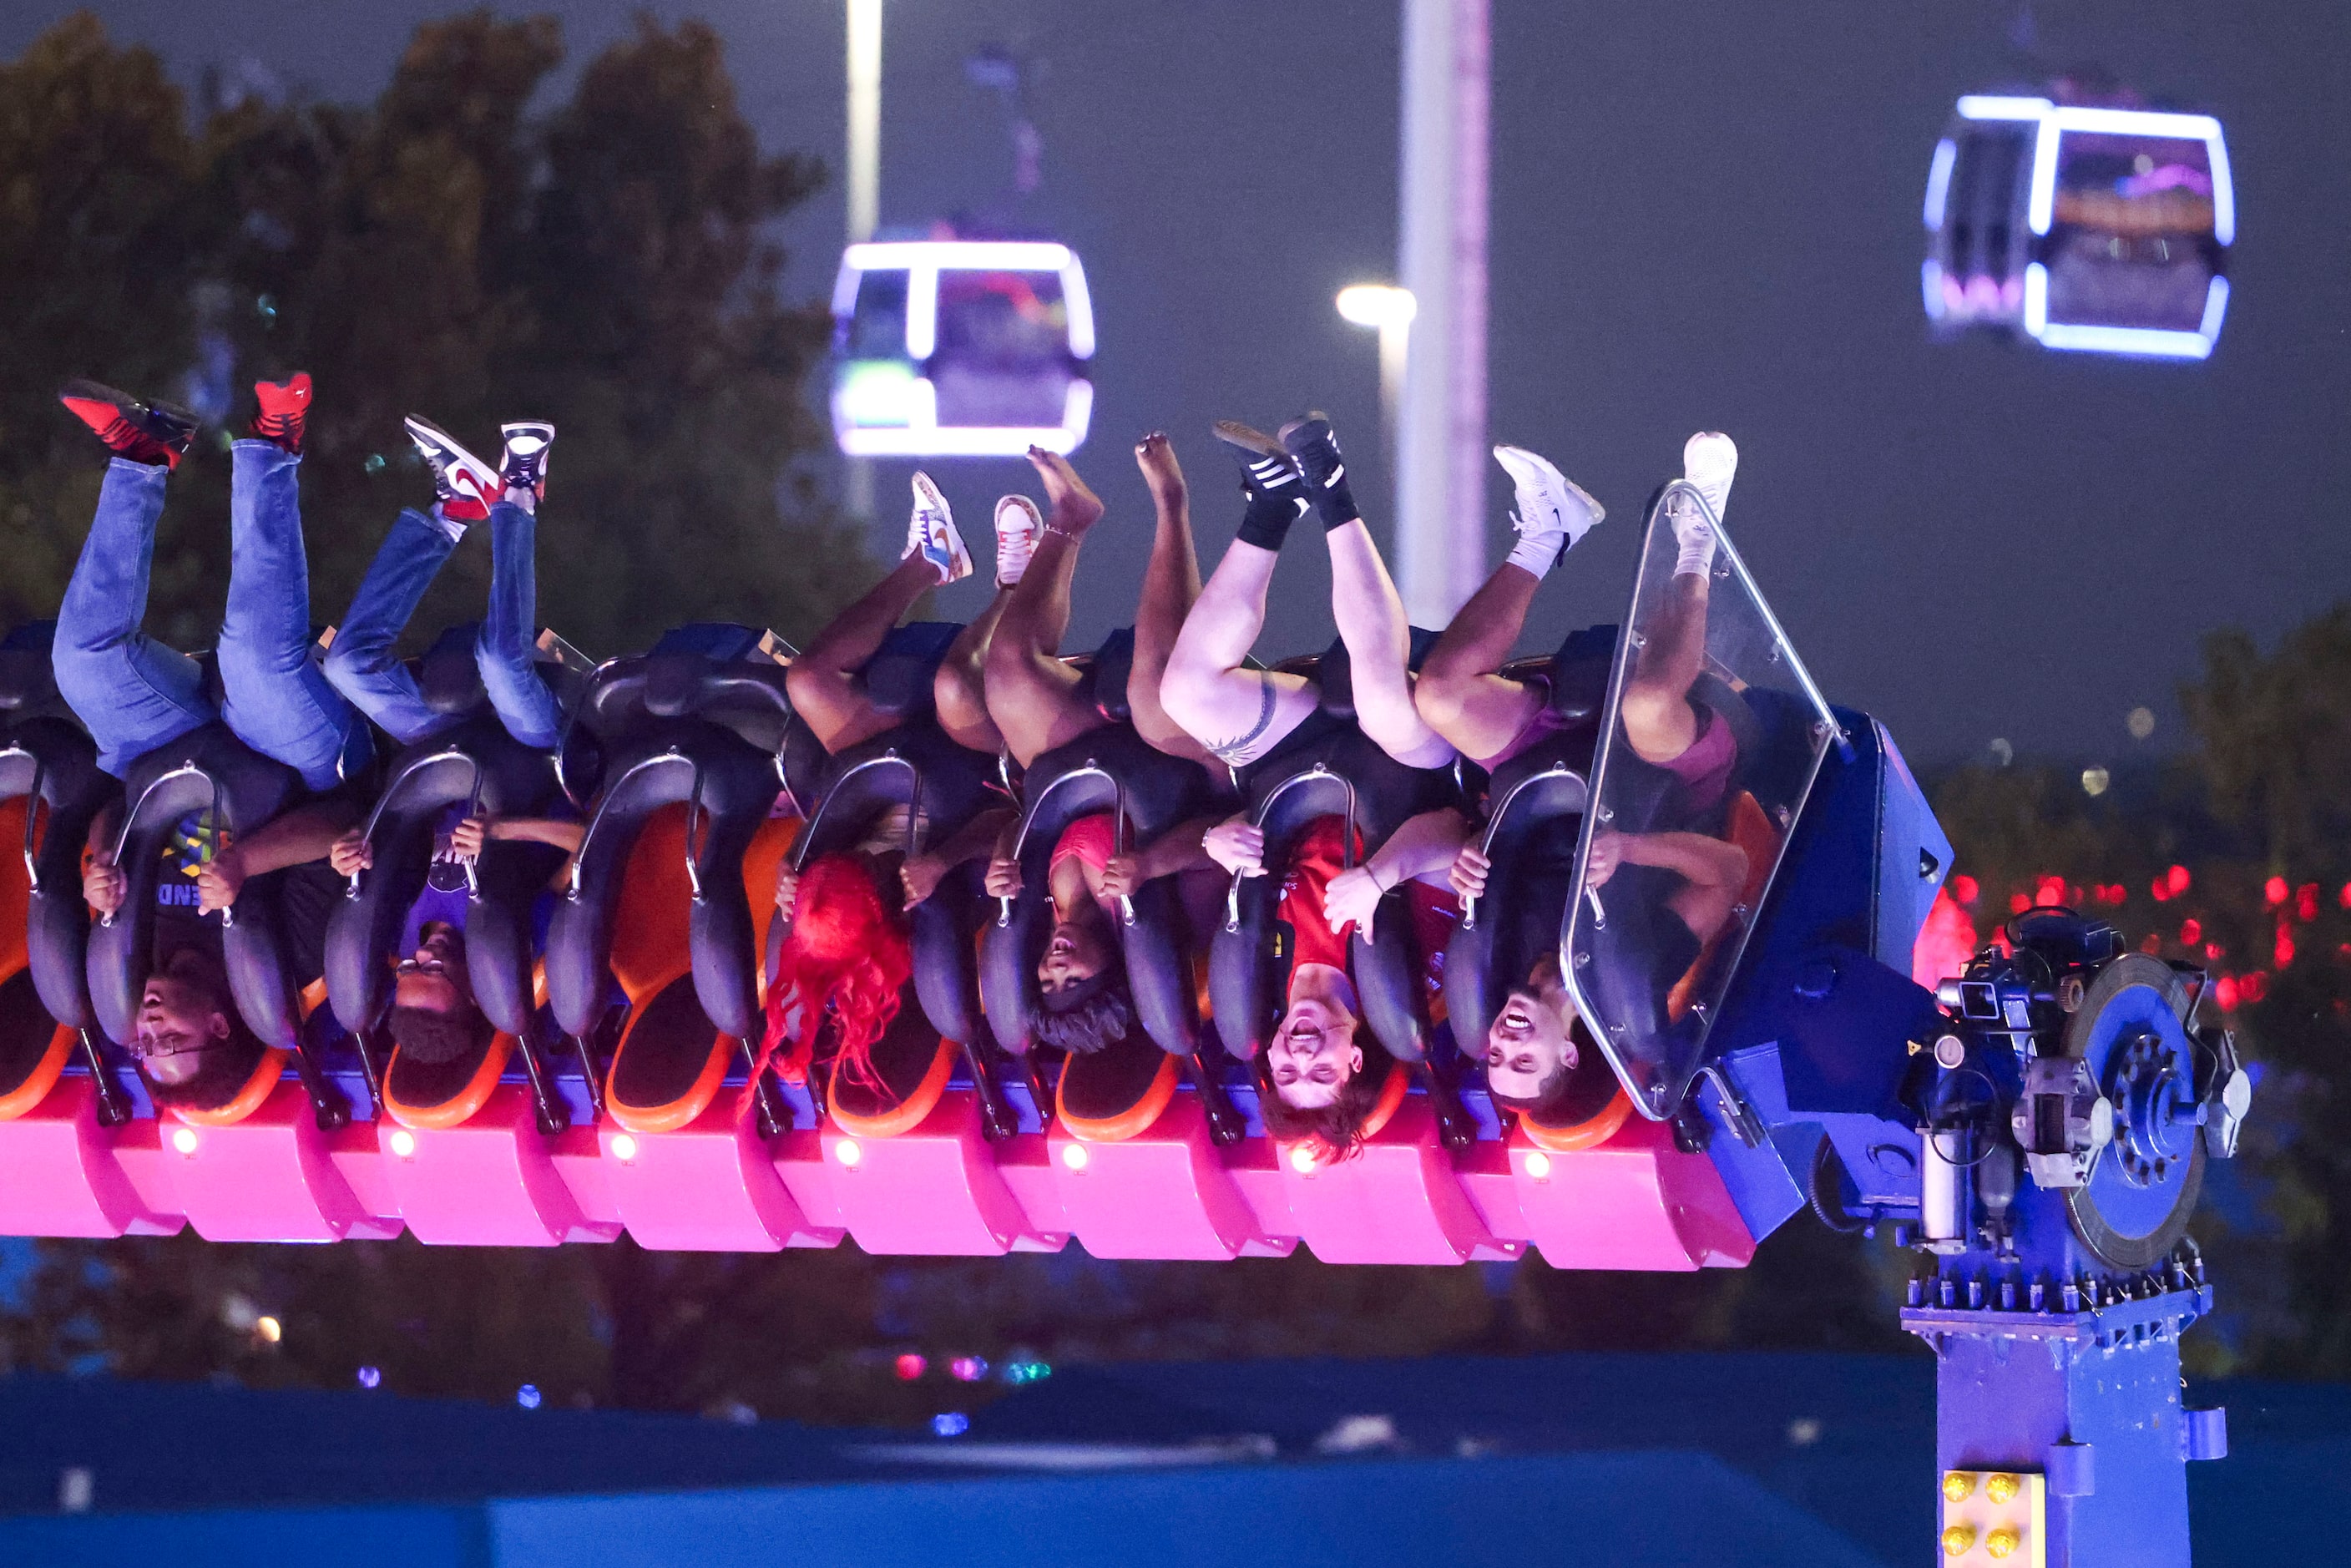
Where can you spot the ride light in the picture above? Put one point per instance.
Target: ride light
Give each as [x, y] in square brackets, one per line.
[624, 1147]
[1301, 1159]
[184, 1140]
[950, 1424]
[1075, 1156]
[403, 1143]
[910, 1366]
[268, 1329]
[527, 1396]
[847, 1153]
[371, 1377]
[969, 1368]
[1538, 1165]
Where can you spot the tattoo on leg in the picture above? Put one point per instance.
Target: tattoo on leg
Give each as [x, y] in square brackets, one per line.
[1238, 751]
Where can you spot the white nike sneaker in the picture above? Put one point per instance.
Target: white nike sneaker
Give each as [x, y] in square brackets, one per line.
[931, 533]
[1549, 501]
[1711, 461]
[1017, 524]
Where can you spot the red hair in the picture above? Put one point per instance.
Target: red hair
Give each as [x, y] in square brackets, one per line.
[844, 963]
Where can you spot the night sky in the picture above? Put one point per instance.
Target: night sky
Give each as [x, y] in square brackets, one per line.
[1705, 215]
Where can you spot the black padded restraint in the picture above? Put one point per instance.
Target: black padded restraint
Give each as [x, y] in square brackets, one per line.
[51, 755]
[914, 765]
[207, 766]
[1324, 767]
[480, 766]
[1099, 772]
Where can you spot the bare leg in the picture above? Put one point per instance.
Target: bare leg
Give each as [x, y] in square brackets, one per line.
[959, 690]
[1239, 714]
[1658, 718]
[823, 683]
[1171, 584]
[1379, 641]
[1031, 694]
[1460, 694]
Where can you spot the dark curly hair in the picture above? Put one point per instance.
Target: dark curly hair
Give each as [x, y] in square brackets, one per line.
[1338, 1126]
[223, 1070]
[429, 1037]
[1084, 1018]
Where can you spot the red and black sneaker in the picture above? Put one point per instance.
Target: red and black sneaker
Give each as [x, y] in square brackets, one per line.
[284, 408]
[144, 432]
[465, 487]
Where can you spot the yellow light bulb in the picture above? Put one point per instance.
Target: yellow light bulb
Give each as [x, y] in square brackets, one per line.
[2001, 1543]
[403, 1143]
[2003, 1487]
[1301, 1160]
[1956, 1486]
[1074, 1155]
[624, 1147]
[847, 1153]
[1539, 1165]
[184, 1140]
[1958, 1540]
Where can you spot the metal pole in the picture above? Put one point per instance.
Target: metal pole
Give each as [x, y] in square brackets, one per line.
[863, 177]
[1440, 551]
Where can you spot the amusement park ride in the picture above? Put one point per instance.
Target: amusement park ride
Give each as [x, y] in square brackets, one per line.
[2036, 1131]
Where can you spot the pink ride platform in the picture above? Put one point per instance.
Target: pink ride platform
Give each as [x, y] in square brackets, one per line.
[935, 1191]
[1633, 1202]
[709, 1186]
[275, 1176]
[493, 1181]
[61, 1174]
[1166, 1193]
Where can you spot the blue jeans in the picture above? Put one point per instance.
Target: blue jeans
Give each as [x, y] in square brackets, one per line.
[135, 695]
[364, 668]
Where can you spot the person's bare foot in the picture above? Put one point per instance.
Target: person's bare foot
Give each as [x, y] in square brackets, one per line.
[1072, 509]
[1155, 455]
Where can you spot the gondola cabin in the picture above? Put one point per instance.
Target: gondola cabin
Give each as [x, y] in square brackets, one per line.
[960, 348]
[2087, 229]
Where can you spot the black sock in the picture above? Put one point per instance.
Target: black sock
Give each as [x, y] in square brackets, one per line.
[1275, 488]
[1271, 512]
[1310, 440]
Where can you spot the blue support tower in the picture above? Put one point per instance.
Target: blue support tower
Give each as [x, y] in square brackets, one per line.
[2036, 1129]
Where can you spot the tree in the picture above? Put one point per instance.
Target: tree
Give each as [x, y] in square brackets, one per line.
[442, 252]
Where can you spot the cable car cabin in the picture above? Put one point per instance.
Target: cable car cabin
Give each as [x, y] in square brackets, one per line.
[960, 348]
[2094, 229]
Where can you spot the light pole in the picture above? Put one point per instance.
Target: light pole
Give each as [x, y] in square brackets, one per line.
[864, 179]
[1390, 309]
[1440, 555]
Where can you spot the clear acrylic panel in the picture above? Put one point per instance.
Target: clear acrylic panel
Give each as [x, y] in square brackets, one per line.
[1712, 738]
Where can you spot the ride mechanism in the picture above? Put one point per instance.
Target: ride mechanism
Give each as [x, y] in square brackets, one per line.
[2037, 1130]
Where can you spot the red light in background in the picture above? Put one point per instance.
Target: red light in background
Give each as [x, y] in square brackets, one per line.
[1964, 888]
[1946, 942]
[2019, 902]
[2274, 890]
[2284, 956]
[2213, 952]
[2151, 944]
[2253, 986]
[2050, 893]
[2225, 993]
[2161, 888]
[910, 1366]
[2191, 933]
[2343, 897]
[2177, 877]
[2306, 902]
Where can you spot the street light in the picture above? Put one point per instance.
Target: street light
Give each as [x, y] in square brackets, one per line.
[1390, 309]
